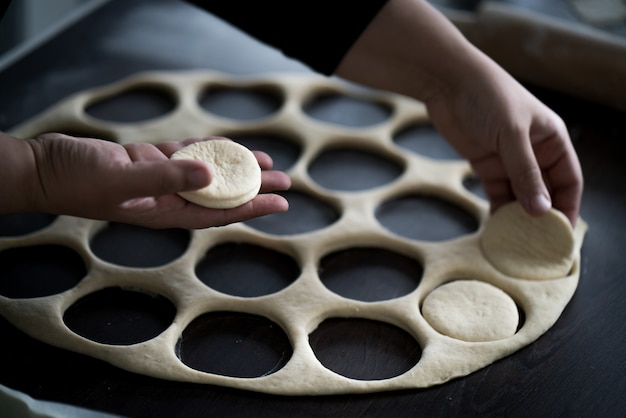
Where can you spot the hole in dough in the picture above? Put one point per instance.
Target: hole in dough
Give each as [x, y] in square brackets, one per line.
[241, 103]
[138, 104]
[234, 344]
[284, 151]
[15, 224]
[424, 139]
[426, 218]
[119, 316]
[370, 274]
[117, 243]
[305, 214]
[348, 111]
[473, 184]
[471, 310]
[352, 170]
[529, 247]
[246, 270]
[364, 349]
[57, 269]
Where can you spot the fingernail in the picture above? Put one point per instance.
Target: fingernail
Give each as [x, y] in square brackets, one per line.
[540, 203]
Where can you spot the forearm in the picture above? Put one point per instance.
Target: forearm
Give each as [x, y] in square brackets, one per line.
[412, 49]
[17, 162]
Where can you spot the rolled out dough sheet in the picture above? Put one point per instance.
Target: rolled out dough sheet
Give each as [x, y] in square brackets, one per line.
[299, 308]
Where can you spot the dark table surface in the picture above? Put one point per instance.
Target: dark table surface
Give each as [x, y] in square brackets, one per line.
[576, 369]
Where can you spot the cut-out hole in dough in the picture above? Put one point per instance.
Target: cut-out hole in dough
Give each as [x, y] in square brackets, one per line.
[305, 214]
[370, 274]
[57, 269]
[424, 139]
[364, 349]
[135, 246]
[474, 185]
[240, 103]
[134, 105]
[117, 316]
[529, 247]
[347, 111]
[234, 344]
[246, 270]
[471, 310]
[13, 225]
[284, 152]
[353, 170]
[425, 218]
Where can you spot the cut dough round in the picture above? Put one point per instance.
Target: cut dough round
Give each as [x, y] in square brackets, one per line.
[471, 310]
[529, 247]
[236, 173]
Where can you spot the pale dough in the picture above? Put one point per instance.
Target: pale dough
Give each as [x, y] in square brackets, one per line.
[471, 277]
[236, 175]
[529, 247]
[471, 310]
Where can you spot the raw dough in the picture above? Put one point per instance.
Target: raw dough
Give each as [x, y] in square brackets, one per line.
[301, 306]
[236, 173]
[534, 248]
[471, 310]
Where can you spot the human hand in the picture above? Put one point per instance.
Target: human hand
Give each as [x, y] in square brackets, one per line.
[136, 183]
[520, 149]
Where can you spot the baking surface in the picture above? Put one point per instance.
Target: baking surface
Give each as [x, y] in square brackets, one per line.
[580, 359]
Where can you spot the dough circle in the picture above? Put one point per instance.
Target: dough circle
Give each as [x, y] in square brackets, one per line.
[471, 310]
[236, 175]
[524, 246]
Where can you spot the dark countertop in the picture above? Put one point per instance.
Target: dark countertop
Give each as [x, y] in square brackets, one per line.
[576, 369]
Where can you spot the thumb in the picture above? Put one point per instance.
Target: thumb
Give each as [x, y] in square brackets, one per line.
[158, 178]
[525, 175]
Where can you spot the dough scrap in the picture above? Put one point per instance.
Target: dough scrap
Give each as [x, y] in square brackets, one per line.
[471, 310]
[524, 246]
[236, 173]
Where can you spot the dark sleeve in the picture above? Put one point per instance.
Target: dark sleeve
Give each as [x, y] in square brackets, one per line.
[317, 33]
[3, 8]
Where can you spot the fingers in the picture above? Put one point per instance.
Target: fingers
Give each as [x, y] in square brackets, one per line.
[562, 173]
[551, 166]
[524, 173]
[263, 204]
[192, 216]
[494, 180]
[274, 181]
[158, 178]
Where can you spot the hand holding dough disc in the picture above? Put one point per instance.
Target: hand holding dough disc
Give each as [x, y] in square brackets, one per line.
[528, 247]
[236, 173]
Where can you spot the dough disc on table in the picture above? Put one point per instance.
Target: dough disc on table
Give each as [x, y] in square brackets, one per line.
[236, 175]
[471, 310]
